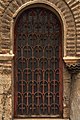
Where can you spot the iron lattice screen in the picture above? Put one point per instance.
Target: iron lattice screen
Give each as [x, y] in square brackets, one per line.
[37, 63]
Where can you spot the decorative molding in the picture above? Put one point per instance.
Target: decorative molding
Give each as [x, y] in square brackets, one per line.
[74, 69]
[72, 63]
[6, 56]
[71, 60]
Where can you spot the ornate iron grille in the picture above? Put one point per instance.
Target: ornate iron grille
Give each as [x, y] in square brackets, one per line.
[37, 66]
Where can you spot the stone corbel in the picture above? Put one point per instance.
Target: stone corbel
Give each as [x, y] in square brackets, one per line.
[72, 63]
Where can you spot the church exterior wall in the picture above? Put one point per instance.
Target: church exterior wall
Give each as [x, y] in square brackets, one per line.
[69, 12]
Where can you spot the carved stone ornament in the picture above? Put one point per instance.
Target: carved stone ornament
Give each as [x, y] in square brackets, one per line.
[72, 63]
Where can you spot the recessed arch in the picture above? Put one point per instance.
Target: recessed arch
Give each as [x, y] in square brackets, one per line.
[50, 6]
[44, 4]
[44, 60]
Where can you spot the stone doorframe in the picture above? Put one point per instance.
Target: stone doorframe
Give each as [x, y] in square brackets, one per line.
[65, 14]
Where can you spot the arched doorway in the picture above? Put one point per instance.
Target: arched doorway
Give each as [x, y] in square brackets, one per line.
[38, 64]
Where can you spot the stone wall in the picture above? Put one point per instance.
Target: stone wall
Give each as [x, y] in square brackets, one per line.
[75, 97]
[69, 12]
[5, 91]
